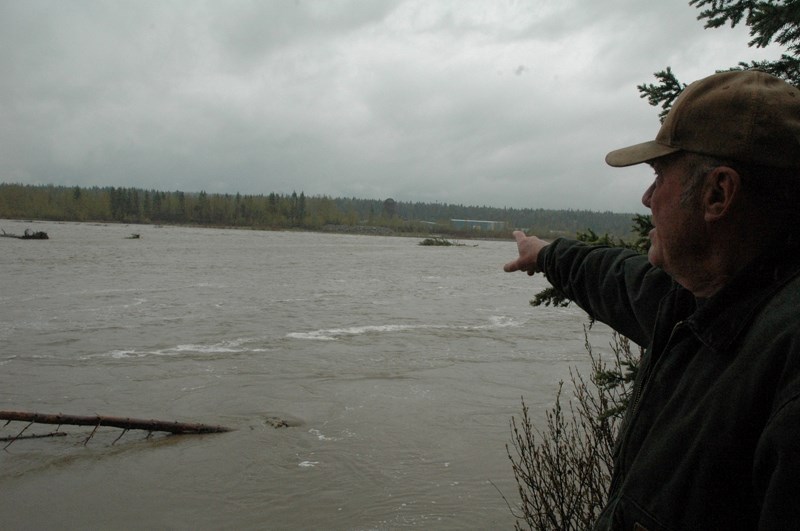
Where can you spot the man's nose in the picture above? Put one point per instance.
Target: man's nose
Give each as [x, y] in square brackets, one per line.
[647, 195]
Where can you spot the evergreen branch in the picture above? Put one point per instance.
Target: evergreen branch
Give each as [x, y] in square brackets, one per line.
[663, 93]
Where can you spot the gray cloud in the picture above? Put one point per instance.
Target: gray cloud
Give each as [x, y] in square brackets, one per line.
[503, 103]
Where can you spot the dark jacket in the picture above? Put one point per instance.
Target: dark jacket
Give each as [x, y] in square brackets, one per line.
[711, 439]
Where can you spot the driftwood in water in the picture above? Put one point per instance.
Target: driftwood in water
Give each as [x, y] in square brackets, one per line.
[114, 422]
[28, 235]
[124, 423]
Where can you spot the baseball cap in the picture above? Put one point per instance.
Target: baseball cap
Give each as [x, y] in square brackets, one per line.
[746, 115]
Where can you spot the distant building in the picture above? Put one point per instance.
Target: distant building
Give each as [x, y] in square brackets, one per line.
[474, 224]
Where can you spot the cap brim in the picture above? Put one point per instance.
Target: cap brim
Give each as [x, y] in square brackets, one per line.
[638, 153]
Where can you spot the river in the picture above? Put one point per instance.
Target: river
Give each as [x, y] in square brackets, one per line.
[397, 367]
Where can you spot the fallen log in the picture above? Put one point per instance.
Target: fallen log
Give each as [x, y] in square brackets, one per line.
[125, 423]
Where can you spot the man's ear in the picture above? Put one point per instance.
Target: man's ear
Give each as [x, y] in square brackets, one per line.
[723, 187]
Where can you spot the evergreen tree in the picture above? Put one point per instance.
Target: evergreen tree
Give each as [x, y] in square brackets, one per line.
[301, 209]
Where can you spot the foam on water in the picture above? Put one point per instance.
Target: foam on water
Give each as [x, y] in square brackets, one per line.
[335, 333]
[332, 334]
[223, 347]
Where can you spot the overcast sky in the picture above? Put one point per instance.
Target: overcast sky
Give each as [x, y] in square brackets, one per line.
[488, 102]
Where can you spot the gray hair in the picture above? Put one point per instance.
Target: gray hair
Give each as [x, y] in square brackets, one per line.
[773, 191]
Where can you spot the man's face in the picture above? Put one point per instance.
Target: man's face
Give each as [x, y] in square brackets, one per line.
[678, 237]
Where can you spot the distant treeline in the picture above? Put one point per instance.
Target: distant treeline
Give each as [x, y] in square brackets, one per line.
[284, 211]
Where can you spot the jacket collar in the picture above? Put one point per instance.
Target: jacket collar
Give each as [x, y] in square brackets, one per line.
[719, 320]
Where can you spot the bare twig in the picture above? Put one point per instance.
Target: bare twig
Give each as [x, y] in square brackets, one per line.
[17, 436]
[34, 436]
[86, 441]
[124, 431]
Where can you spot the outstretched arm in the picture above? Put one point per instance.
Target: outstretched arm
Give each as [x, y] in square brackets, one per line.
[529, 248]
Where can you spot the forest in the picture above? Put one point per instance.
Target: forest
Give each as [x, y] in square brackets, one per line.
[288, 211]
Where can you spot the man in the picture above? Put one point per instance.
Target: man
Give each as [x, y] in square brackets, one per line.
[711, 437]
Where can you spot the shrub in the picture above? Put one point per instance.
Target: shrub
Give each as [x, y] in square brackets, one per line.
[563, 471]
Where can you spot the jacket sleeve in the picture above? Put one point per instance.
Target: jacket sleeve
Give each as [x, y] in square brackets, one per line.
[613, 285]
